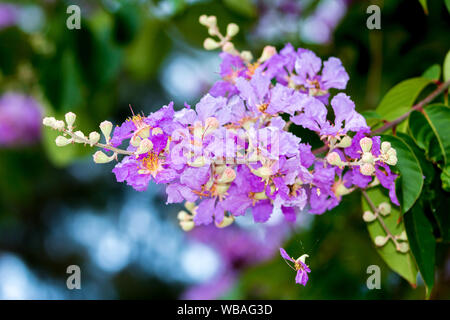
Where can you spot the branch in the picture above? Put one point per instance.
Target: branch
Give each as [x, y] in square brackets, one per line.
[417, 106]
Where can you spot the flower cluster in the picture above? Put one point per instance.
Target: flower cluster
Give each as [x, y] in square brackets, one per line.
[233, 153]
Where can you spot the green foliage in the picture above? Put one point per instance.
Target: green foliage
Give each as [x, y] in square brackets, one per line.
[411, 175]
[446, 65]
[424, 5]
[400, 98]
[432, 73]
[422, 243]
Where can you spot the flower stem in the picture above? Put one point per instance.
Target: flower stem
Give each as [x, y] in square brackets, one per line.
[380, 220]
[99, 145]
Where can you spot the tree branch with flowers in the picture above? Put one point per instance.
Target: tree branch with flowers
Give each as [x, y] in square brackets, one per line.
[233, 153]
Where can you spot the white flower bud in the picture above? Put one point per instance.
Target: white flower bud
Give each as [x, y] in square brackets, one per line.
[345, 142]
[49, 122]
[70, 119]
[203, 20]
[246, 56]
[367, 157]
[100, 157]
[381, 241]
[368, 216]
[232, 29]
[267, 53]
[366, 144]
[403, 247]
[228, 47]
[402, 236]
[198, 162]
[135, 141]
[226, 221]
[210, 44]
[334, 159]
[145, 146]
[211, 21]
[385, 146]
[79, 137]
[221, 189]
[227, 176]
[187, 225]
[59, 125]
[385, 208]
[106, 128]
[94, 137]
[190, 206]
[184, 216]
[367, 169]
[260, 195]
[62, 141]
[263, 172]
[392, 158]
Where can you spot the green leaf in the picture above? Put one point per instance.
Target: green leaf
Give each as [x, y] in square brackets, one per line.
[447, 4]
[427, 166]
[244, 7]
[445, 178]
[438, 117]
[424, 136]
[432, 73]
[402, 263]
[422, 243]
[446, 66]
[400, 98]
[424, 5]
[372, 117]
[411, 175]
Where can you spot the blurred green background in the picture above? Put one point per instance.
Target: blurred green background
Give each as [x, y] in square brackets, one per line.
[57, 208]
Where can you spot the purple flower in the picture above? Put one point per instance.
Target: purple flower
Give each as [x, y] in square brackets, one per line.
[299, 266]
[20, 120]
[8, 15]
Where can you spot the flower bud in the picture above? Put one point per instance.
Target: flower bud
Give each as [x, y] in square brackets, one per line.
[367, 157]
[59, 125]
[70, 119]
[367, 169]
[226, 221]
[145, 146]
[190, 206]
[368, 216]
[232, 29]
[341, 190]
[228, 47]
[106, 128]
[246, 56]
[210, 44]
[385, 146]
[366, 144]
[199, 162]
[62, 141]
[100, 157]
[260, 195]
[345, 142]
[384, 208]
[403, 247]
[391, 157]
[187, 225]
[263, 172]
[183, 216]
[49, 122]
[227, 176]
[135, 141]
[211, 21]
[334, 159]
[94, 137]
[79, 137]
[267, 53]
[402, 236]
[203, 20]
[221, 189]
[381, 241]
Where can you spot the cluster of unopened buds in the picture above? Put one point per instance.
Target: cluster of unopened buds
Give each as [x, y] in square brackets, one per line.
[383, 210]
[233, 154]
